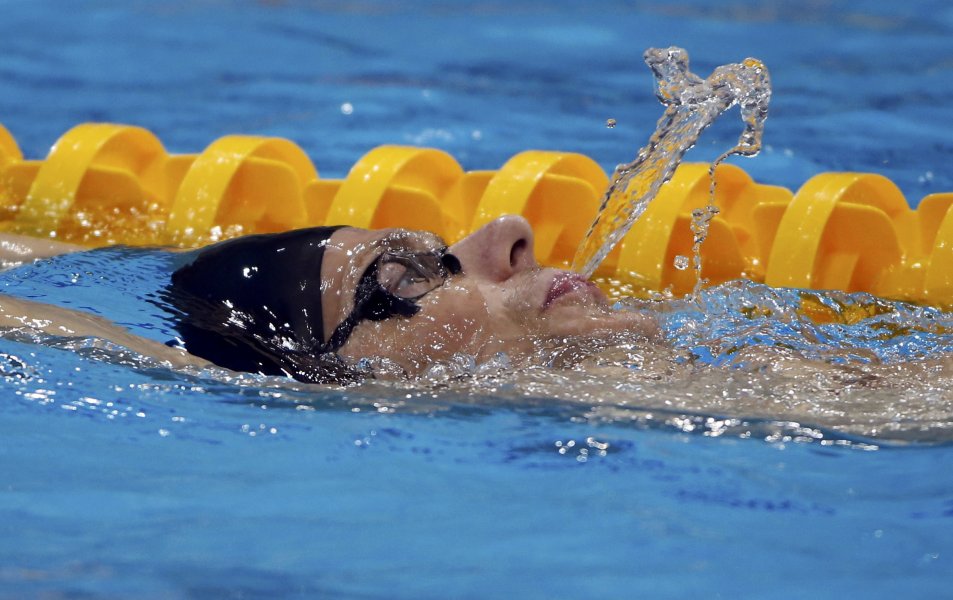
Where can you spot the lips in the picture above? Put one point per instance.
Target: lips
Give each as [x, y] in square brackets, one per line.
[564, 284]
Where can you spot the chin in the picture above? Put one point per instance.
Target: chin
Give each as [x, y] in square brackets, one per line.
[597, 319]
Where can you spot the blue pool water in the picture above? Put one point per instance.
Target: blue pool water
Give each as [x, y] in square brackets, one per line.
[119, 478]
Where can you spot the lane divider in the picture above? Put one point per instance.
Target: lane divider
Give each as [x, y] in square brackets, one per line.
[105, 184]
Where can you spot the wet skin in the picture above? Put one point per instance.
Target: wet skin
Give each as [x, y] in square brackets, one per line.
[503, 301]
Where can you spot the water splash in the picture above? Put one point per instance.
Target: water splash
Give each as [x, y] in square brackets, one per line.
[692, 104]
[701, 222]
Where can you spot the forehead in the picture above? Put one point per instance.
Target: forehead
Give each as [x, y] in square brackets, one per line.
[357, 247]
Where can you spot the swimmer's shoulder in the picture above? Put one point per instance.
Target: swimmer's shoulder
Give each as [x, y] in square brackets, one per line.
[16, 249]
[32, 318]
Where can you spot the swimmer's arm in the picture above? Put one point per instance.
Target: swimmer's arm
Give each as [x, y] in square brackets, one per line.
[35, 317]
[16, 250]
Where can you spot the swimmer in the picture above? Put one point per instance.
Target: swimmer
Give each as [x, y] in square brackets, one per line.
[311, 303]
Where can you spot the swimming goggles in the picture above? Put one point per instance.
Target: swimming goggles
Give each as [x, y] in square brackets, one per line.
[392, 284]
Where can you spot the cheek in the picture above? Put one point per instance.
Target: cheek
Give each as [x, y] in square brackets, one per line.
[451, 321]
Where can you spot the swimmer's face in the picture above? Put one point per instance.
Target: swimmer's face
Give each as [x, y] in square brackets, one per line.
[501, 300]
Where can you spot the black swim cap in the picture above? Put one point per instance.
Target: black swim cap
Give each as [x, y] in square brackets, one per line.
[253, 304]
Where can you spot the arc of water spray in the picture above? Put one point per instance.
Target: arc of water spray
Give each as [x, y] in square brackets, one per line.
[691, 105]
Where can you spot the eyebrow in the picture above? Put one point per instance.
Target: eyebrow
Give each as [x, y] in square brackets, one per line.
[404, 235]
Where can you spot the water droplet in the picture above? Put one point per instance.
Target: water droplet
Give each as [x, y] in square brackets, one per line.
[681, 262]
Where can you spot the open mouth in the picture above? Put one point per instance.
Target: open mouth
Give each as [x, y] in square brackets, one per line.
[570, 284]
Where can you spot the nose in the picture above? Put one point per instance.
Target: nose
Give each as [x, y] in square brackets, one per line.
[498, 250]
